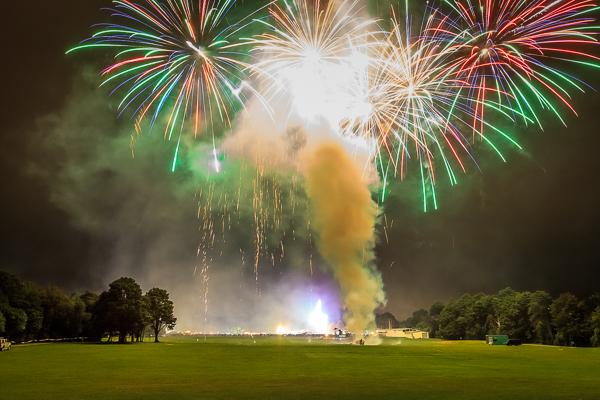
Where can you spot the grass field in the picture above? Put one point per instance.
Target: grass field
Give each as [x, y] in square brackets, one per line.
[294, 368]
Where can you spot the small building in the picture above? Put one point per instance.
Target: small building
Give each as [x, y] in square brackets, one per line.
[409, 333]
[496, 339]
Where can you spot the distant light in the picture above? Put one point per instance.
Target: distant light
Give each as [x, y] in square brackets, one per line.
[318, 320]
[281, 330]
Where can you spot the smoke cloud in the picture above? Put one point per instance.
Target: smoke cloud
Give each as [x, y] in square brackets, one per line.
[141, 220]
[344, 216]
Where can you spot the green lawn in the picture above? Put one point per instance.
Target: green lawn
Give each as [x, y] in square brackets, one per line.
[294, 368]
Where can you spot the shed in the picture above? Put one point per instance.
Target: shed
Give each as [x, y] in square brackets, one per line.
[496, 339]
[409, 333]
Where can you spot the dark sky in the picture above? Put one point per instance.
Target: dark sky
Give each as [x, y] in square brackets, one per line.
[78, 211]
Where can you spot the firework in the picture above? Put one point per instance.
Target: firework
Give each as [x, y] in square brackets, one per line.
[503, 47]
[183, 54]
[412, 106]
[308, 53]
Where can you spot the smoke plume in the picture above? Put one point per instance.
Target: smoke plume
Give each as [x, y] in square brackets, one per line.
[344, 216]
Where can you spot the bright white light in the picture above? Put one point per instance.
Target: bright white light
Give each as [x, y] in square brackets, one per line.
[359, 61]
[190, 44]
[362, 109]
[217, 164]
[319, 321]
[281, 330]
[312, 57]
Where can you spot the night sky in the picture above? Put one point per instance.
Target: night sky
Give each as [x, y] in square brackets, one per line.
[78, 211]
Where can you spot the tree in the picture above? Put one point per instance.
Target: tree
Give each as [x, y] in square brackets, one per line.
[16, 322]
[450, 327]
[419, 320]
[434, 318]
[87, 324]
[593, 302]
[119, 309]
[19, 303]
[540, 318]
[30, 303]
[522, 315]
[386, 321]
[568, 318]
[482, 317]
[144, 321]
[470, 317]
[160, 311]
[512, 317]
[102, 318]
[2, 322]
[55, 311]
[77, 316]
[595, 326]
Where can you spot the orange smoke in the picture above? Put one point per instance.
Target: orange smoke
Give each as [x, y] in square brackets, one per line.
[343, 214]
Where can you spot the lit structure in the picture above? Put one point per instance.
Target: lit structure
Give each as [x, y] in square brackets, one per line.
[408, 333]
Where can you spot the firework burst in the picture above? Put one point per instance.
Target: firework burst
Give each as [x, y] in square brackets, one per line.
[177, 53]
[503, 48]
[412, 104]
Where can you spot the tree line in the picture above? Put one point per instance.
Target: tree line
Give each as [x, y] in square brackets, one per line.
[532, 317]
[29, 312]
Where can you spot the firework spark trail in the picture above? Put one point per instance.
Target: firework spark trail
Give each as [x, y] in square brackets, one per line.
[250, 198]
[344, 215]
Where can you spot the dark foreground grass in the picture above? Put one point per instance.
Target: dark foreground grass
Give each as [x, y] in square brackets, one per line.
[294, 368]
